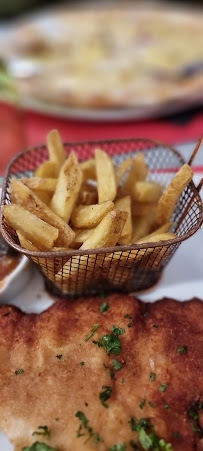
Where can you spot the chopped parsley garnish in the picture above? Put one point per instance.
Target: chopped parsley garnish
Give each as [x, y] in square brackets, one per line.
[155, 326]
[127, 316]
[106, 394]
[104, 307]
[96, 326]
[85, 424]
[123, 381]
[133, 445]
[117, 365]
[42, 430]
[182, 350]
[163, 387]
[152, 376]
[166, 406]
[147, 436]
[142, 403]
[82, 363]
[38, 446]
[119, 447]
[176, 434]
[152, 404]
[111, 373]
[194, 414]
[19, 371]
[111, 342]
[59, 356]
[130, 325]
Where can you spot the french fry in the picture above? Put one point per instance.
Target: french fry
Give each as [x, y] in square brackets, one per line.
[67, 188]
[47, 185]
[143, 208]
[82, 235]
[146, 191]
[163, 229]
[40, 233]
[26, 243]
[138, 172]
[22, 195]
[90, 215]
[172, 193]
[142, 226]
[124, 204]
[48, 169]
[44, 197]
[108, 232]
[88, 194]
[121, 170]
[105, 176]
[56, 149]
[88, 169]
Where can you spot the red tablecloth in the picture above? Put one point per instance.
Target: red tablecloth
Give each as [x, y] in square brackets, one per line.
[18, 133]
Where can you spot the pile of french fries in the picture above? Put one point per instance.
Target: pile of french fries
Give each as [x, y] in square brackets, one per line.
[69, 205]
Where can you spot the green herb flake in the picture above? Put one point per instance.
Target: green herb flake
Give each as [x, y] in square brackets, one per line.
[133, 445]
[152, 376]
[166, 406]
[117, 365]
[104, 307]
[59, 356]
[127, 316]
[194, 414]
[123, 381]
[111, 373]
[142, 403]
[90, 431]
[130, 325]
[19, 371]
[104, 395]
[182, 350]
[38, 446]
[155, 326]
[111, 342]
[119, 447]
[176, 434]
[96, 326]
[82, 363]
[146, 314]
[42, 430]
[151, 404]
[163, 387]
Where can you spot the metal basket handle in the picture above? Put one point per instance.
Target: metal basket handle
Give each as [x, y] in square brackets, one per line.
[200, 185]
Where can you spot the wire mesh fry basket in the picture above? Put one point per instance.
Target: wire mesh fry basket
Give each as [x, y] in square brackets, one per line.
[121, 268]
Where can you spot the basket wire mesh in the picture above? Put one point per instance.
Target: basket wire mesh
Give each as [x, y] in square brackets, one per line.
[122, 268]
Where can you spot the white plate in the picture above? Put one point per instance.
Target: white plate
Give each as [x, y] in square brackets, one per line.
[182, 279]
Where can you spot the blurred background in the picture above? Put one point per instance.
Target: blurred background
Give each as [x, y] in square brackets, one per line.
[135, 70]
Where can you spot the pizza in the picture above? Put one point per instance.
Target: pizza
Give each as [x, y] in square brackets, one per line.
[111, 57]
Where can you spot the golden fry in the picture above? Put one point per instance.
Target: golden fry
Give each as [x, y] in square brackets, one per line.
[143, 208]
[172, 193]
[124, 204]
[88, 194]
[142, 226]
[47, 185]
[105, 176]
[90, 215]
[138, 172]
[48, 169]
[163, 229]
[108, 232]
[82, 235]
[67, 188]
[146, 191]
[56, 149]
[40, 233]
[22, 195]
[88, 169]
[121, 169]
